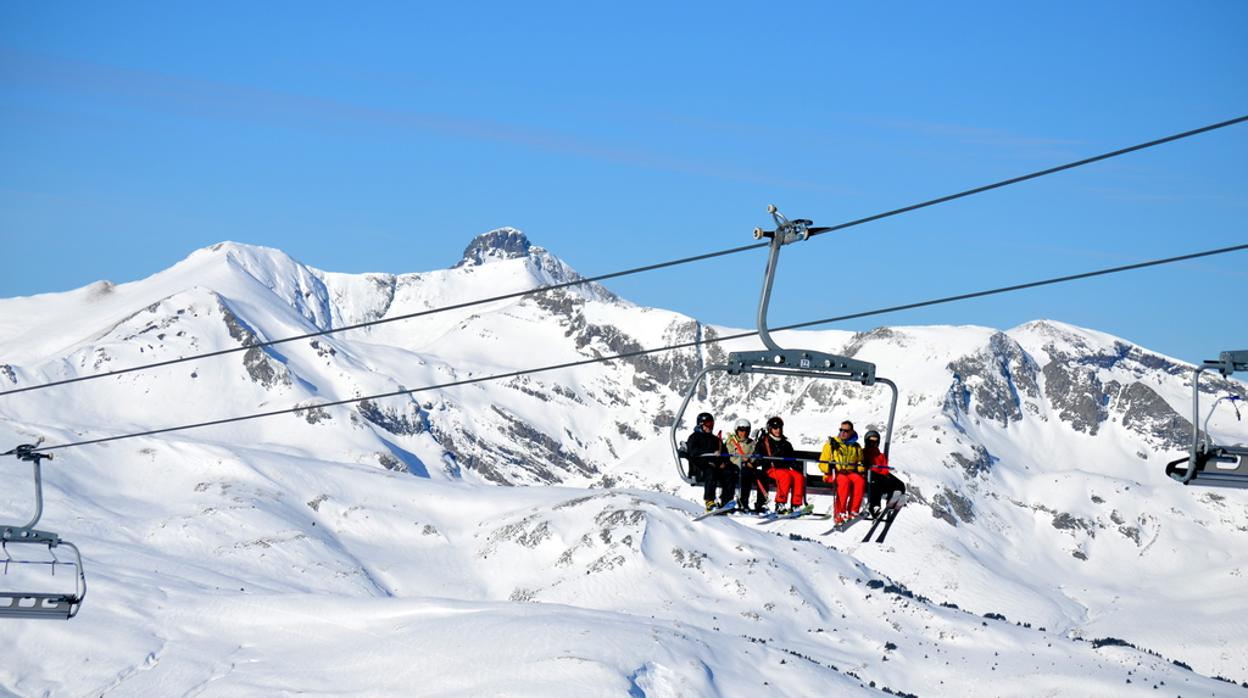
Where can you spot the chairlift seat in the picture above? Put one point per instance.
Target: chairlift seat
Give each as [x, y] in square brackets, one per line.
[48, 605]
[695, 476]
[815, 483]
[32, 605]
[814, 480]
[1219, 466]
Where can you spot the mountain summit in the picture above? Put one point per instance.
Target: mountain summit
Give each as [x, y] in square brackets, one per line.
[498, 244]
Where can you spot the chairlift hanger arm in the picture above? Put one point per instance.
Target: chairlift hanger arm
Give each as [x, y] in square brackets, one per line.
[787, 232]
[27, 452]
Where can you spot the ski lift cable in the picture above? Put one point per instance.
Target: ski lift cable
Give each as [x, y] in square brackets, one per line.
[1015, 180]
[635, 270]
[643, 352]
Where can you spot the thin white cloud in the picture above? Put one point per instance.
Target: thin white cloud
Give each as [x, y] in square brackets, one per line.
[217, 99]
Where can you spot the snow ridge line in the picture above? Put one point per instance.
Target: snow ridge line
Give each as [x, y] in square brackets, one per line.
[616, 357]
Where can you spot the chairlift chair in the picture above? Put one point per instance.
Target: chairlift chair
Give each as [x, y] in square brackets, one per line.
[1207, 463]
[28, 604]
[777, 361]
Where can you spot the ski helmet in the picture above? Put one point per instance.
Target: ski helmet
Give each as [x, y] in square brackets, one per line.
[705, 417]
[775, 423]
[873, 434]
[743, 424]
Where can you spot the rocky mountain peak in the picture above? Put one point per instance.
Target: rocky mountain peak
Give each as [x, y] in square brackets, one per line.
[498, 244]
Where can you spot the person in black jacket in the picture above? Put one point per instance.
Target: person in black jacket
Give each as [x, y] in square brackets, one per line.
[777, 456]
[883, 482]
[706, 454]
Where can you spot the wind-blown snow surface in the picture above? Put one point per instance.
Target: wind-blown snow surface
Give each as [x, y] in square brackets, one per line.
[363, 548]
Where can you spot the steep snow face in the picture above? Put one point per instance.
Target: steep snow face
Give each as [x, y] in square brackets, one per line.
[1034, 456]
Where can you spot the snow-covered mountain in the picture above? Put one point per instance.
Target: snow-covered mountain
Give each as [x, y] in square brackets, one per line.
[254, 557]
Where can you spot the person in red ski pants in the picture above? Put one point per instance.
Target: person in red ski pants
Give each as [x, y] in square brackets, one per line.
[790, 481]
[842, 456]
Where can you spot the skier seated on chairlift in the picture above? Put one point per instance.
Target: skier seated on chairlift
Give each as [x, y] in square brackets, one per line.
[740, 448]
[883, 482]
[773, 444]
[841, 462]
[706, 454]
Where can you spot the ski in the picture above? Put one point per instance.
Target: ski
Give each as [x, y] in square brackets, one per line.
[725, 509]
[795, 515]
[892, 516]
[780, 517]
[878, 519]
[841, 527]
[886, 516]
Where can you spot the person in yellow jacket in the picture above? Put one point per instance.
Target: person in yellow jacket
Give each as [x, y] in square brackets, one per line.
[841, 459]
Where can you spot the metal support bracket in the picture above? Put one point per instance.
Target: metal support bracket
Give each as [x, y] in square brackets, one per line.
[1229, 362]
[803, 360]
[14, 534]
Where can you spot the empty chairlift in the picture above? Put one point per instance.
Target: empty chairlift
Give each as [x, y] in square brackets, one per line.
[30, 559]
[1208, 463]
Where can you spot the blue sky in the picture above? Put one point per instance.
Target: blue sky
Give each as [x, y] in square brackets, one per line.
[383, 137]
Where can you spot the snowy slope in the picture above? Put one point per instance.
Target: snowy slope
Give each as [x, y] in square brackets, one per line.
[252, 557]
